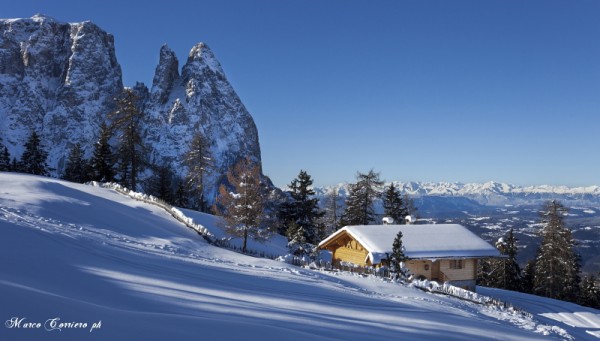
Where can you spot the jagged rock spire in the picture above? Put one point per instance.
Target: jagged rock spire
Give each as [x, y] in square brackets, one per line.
[166, 74]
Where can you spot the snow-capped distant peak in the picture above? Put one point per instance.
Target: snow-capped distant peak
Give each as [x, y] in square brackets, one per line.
[495, 193]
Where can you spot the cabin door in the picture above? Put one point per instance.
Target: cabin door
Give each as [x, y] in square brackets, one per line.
[435, 270]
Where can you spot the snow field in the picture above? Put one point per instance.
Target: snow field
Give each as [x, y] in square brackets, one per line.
[89, 254]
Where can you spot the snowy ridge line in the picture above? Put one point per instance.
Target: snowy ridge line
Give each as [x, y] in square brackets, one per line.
[149, 199]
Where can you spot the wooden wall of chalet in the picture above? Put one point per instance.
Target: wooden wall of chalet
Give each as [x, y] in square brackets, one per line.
[468, 271]
[423, 268]
[349, 250]
[440, 270]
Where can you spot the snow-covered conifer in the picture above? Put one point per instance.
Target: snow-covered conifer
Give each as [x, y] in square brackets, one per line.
[393, 206]
[397, 258]
[14, 165]
[76, 168]
[297, 241]
[302, 209]
[160, 184]
[590, 292]
[557, 264]
[199, 162]
[102, 158]
[527, 277]
[4, 158]
[505, 273]
[181, 195]
[33, 160]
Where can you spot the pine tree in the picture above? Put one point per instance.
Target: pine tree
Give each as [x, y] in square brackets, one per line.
[397, 259]
[199, 162]
[297, 242]
[242, 206]
[528, 277]
[15, 166]
[76, 169]
[484, 272]
[557, 264]
[161, 183]
[589, 294]
[271, 200]
[302, 208]
[507, 274]
[4, 159]
[126, 119]
[393, 206]
[102, 158]
[33, 160]
[181, 195]
[359, 203]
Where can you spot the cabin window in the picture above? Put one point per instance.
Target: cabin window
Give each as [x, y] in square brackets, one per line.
[456, 264]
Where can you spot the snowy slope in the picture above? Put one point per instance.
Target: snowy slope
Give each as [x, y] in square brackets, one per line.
[580, 322]
[87, 254]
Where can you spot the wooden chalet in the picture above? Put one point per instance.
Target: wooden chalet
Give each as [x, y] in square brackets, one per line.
[438, 252]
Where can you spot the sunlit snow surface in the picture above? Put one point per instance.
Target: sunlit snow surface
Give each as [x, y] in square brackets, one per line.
[88, 254]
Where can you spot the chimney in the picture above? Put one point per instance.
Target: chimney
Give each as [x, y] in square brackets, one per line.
[388, 220]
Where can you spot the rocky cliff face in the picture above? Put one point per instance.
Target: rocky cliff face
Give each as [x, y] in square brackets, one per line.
[56, 78]
[60, 79]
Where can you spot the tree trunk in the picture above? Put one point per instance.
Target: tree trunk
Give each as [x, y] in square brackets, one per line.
[245, 239]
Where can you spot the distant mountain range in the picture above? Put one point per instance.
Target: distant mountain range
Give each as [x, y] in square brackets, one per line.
[491, 193]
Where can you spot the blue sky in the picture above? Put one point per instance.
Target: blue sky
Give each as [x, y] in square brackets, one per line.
[465, 91]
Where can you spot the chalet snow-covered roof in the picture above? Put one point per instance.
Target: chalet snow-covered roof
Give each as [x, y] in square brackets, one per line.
[430, 241]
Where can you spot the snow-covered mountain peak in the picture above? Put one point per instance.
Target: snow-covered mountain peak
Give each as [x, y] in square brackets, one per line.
[200, 99]
[202, 56]
[36, 18]
[42, 17]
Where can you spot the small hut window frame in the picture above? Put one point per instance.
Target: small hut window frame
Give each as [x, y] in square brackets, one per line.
[456, 264]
